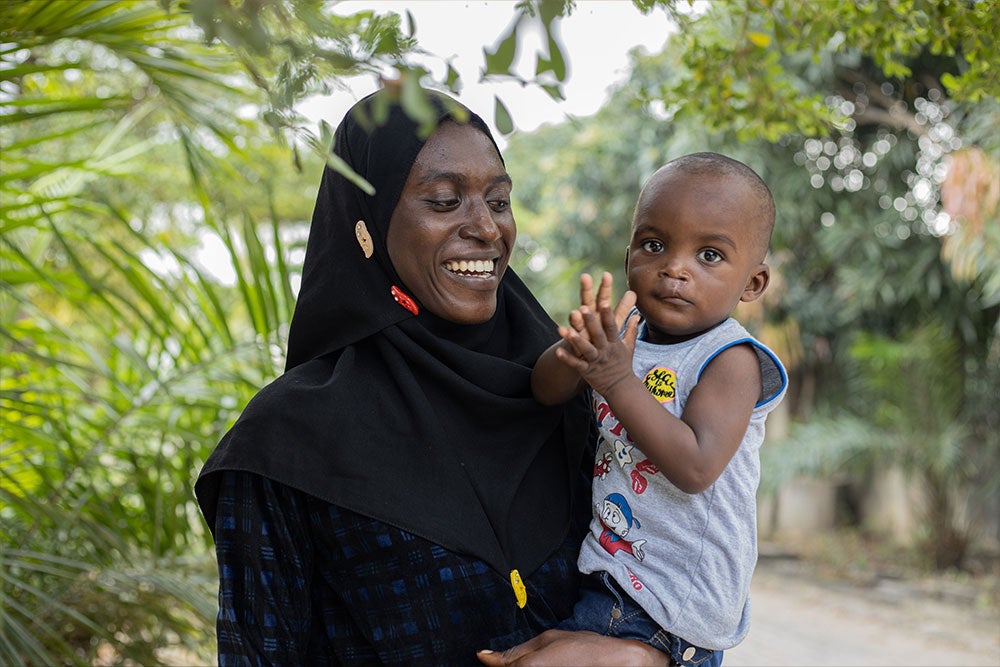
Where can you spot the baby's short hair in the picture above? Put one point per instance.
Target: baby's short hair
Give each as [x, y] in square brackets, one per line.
[716, 164]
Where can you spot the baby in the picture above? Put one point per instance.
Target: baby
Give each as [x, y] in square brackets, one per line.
[680, 396]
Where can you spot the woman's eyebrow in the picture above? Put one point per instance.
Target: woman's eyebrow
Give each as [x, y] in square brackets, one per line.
[458, 177]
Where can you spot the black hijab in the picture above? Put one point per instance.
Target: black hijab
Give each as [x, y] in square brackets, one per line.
[421, 423]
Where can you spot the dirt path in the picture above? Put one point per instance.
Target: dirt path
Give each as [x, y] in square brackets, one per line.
[800, 620]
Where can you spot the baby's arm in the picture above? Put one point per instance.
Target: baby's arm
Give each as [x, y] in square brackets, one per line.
[552, 380]
[691, 451]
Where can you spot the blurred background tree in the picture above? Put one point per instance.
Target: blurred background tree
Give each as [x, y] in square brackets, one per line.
[877, 139]
[132, 143]
[136, 135]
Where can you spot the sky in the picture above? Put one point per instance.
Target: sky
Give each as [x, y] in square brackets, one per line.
[596, 39]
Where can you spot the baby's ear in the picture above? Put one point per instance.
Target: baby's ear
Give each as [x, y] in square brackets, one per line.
[757, 283]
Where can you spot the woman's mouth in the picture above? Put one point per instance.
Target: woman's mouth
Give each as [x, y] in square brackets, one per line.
[482, 268]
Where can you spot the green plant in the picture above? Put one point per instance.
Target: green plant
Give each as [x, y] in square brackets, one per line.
[909, 412]
[123, 355]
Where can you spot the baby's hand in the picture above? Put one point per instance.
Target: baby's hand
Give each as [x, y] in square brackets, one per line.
[595, 351]
[602, 302]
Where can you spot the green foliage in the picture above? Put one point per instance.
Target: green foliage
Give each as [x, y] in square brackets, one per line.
[908, 410]
[550, 65]
[126, 152]
[887, 205]
[295, 48]
[739, 65]
[138, 134]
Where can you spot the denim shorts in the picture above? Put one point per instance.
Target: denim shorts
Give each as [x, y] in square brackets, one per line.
[605, 608]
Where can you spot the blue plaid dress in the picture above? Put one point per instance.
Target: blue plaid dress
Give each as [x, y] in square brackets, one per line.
[304, 582]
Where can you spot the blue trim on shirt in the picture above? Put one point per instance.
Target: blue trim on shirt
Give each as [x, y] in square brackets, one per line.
[760, 346]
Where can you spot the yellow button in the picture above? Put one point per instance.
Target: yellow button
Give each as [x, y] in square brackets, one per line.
[520, 592]
[688, 653]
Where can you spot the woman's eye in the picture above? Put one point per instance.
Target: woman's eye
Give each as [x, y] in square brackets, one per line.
[499, 204]
[651, 246]
[710, 256]
[444, 202]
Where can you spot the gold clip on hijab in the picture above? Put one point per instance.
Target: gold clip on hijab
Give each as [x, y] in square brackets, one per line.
[520, 592]
[364, 238]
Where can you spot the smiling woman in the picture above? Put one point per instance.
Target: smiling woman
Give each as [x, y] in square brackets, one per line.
[452, 233]
[396, 496]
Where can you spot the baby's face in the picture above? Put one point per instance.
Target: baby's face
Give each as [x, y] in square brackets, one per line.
[694, 253]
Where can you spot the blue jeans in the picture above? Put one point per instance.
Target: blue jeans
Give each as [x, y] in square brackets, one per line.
[605, 608]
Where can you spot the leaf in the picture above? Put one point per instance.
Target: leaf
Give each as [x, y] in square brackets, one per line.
[554, 63]
[500, 60]
[453, 80]
[760, 39]
[502, 117]
[415, 103]
[554, 91]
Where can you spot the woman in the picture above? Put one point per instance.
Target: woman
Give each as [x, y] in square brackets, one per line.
[397, 497]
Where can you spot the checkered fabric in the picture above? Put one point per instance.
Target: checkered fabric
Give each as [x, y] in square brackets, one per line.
[304, 582]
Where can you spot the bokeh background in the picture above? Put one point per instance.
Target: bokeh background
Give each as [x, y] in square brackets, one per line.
[160, 161]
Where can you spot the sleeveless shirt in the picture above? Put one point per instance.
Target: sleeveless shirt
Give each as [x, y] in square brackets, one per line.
[687, 559]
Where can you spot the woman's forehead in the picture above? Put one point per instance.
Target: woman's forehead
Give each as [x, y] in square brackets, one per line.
[457, 147]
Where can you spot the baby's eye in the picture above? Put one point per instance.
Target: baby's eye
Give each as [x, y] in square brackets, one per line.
[710, 255]
[652, 245]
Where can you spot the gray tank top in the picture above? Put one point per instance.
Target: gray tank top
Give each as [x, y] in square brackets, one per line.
[686, 559]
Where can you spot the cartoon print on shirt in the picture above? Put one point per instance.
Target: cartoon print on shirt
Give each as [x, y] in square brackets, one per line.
[623, 452]
[615, 515]
[639, 482]
[603, 466]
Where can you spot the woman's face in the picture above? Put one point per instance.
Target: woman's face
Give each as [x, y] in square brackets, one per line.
[452, 231]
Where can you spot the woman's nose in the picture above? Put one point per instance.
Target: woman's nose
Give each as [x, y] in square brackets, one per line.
[480, 223]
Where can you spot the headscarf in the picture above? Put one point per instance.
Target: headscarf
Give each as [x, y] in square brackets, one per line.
[424, 424]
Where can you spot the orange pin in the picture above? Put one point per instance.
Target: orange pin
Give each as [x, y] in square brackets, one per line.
[403, 299]
[364, 238]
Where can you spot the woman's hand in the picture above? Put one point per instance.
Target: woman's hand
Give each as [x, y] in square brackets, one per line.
[558, 648]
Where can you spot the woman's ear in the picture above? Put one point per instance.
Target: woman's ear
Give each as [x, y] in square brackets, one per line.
[757, 283]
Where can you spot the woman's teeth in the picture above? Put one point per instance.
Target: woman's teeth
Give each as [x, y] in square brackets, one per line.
[477, 266]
